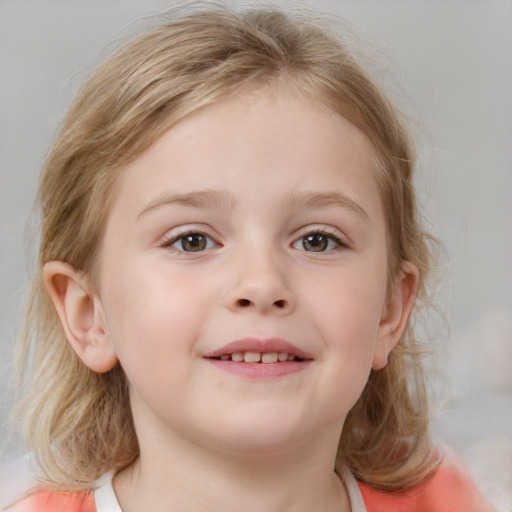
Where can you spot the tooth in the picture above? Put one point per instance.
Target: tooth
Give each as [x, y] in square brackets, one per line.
[269, 357]
[283, 356]
[224, 357]
[237, 356]
[291, 357]
[252, 357]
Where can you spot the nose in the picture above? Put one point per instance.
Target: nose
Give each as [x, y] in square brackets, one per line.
[261, 286]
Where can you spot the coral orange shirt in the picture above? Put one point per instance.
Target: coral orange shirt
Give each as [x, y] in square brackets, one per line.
[43, 501]
[449, 490]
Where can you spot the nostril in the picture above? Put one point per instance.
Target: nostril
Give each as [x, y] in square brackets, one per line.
[261, 305]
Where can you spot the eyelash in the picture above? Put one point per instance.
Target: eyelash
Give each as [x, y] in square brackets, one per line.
[328, 234]
[170, 241]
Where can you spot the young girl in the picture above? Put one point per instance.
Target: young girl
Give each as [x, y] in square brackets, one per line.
[229, 259]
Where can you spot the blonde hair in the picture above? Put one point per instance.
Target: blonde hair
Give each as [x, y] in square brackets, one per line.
[78, 422]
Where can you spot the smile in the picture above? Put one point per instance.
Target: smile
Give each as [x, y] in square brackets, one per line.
[260, 358]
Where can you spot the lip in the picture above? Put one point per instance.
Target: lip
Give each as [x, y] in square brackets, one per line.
[260, 370]
[259, 345]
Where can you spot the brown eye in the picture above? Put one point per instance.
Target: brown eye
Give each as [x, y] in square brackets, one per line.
[190, 242]
[193, 242]
[317, 242]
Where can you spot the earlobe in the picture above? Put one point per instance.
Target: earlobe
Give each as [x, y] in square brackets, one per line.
[81, 315]
[395, 314]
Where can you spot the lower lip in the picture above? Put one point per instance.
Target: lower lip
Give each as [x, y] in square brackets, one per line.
[260, 370]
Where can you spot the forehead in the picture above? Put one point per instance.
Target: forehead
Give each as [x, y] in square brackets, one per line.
[260, 137]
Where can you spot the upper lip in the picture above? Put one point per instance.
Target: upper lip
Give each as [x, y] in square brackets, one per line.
[262, 346]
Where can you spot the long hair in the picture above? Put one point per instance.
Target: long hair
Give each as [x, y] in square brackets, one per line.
[78, 422]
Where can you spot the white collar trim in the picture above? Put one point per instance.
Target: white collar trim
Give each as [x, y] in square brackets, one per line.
[106, 499]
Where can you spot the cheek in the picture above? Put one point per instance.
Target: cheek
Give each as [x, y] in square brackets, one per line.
[346, 312]
[153, 317]
[349, 303]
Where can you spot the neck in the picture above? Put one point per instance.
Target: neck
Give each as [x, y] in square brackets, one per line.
[190, 477]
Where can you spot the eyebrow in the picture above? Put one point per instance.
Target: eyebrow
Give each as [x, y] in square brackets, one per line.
[325, 199]
[206, 199]
[210, 199]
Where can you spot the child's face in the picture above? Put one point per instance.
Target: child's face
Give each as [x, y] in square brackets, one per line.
[256, 220]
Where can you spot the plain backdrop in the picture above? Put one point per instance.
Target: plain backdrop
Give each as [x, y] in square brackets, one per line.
[453, 60]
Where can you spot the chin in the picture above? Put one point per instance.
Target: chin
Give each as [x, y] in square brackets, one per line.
[261, 436]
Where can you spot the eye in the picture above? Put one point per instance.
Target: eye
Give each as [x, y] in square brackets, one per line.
[318, 242]
[190, 242]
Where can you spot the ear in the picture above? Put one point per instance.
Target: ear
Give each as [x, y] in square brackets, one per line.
[81, 315]
[395, 314]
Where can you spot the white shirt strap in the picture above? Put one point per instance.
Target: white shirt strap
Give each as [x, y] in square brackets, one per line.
[354, 493]
[104, 495]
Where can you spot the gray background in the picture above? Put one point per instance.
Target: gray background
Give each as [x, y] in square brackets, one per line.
[454, 61]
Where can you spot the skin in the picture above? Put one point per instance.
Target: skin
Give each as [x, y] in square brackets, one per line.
[210, 439]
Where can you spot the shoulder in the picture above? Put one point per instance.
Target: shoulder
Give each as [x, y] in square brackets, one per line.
[44, 501]
[450, 489]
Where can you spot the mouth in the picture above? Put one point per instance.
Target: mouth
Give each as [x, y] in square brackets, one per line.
[258, 357]
[252, 357]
